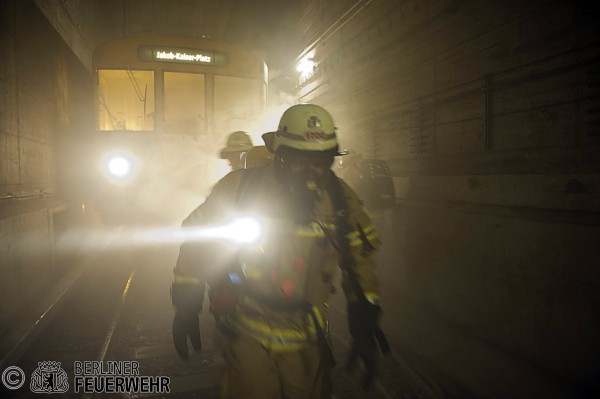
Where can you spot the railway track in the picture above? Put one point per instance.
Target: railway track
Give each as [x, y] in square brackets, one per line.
[120, 310]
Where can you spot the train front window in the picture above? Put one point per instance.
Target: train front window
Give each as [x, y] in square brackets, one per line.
[238, 103]
[184, 103]
[125, 100]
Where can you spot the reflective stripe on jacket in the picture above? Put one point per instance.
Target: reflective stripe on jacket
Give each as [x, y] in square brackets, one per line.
[298, 256]
[282, 338]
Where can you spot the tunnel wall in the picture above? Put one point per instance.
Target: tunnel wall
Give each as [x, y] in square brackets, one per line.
[487, 113]
[82, 25]
[46, 95]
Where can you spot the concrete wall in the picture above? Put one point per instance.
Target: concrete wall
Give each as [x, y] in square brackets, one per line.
[487, 114]
[46, 97]
[83, 24]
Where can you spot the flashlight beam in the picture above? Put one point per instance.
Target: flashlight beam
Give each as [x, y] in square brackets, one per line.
[244, 230]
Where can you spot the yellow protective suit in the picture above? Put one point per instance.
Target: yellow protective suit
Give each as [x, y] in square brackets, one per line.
[271, 347]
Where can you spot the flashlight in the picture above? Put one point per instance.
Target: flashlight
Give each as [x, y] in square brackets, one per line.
[244, 230]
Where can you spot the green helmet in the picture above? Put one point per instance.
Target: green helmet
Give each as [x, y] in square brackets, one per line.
[305, 127]
[236, 142]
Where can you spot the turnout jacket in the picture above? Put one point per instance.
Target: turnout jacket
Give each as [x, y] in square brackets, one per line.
[294, 267]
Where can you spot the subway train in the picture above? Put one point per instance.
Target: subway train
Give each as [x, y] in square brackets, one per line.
[163, 107]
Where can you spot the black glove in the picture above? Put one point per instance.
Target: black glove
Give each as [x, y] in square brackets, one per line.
[187, 299]
[363, 321]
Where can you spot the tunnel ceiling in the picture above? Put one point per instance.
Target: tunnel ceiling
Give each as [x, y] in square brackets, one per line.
[259, 24]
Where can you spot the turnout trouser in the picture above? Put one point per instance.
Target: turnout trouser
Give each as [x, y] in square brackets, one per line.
[254, 372]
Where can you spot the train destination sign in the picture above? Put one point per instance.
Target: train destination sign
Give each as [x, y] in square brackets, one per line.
[182, 55]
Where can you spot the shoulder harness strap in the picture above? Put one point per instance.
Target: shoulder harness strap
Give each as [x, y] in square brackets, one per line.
[248, 188]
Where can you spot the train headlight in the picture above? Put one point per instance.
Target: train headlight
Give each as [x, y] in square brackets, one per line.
[118, 166]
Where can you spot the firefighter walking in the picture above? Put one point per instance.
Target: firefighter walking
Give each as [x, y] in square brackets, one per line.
[269, 296]
[238, 144]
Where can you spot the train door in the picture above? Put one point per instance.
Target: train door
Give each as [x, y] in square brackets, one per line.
[184, 104]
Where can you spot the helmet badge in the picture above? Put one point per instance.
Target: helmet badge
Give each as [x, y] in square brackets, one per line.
[313, 122]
